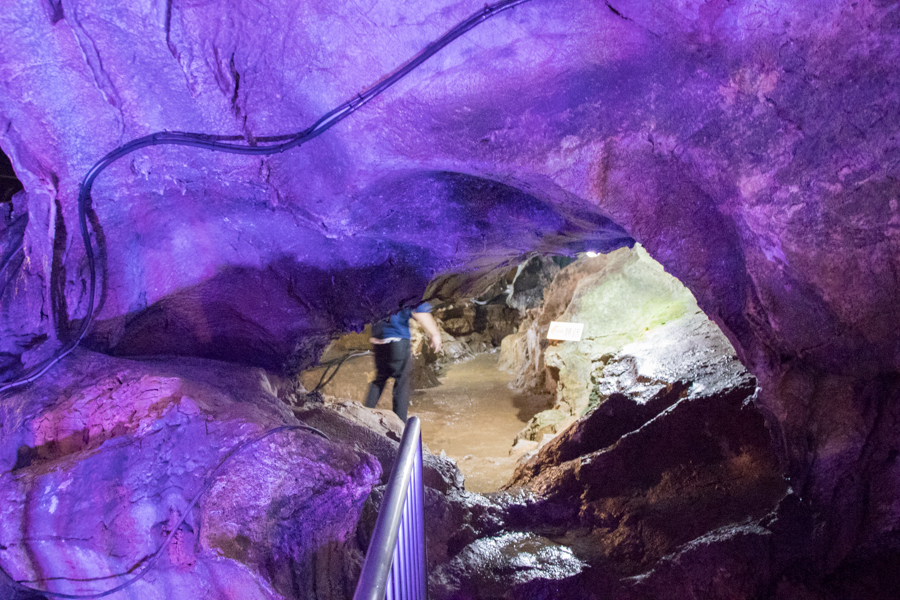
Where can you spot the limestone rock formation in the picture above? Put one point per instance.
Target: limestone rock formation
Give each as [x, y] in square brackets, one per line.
[643, 332]
[481, 327]
[702, 463]
[108, 455]
[666, 459]
[749, 146]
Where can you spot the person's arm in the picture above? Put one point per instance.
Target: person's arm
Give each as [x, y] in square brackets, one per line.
[427, 321]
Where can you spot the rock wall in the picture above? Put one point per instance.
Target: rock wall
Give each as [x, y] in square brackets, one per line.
[481, 327]
[102, 462]
[643, 331]
[634, 482]
[106, 461]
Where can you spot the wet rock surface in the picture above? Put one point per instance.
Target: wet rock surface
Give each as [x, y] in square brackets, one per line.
[507, 566]
[601, 428]
[704, 463]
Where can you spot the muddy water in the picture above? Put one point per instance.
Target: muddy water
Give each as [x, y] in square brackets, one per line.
[474, 417]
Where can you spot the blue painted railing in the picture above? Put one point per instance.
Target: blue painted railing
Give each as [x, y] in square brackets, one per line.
[394, 568]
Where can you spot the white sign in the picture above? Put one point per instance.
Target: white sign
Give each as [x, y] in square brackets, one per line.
[565, 331]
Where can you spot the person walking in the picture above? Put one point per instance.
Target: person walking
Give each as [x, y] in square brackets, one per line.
[393, 357]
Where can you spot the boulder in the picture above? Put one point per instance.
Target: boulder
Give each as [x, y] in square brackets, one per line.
[703, 463]
[104, 459]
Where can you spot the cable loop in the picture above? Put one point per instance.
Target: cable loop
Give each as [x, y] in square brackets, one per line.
[219, 143]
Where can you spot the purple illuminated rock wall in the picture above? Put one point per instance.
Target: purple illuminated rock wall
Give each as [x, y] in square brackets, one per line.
[751, 147]
[107, 454]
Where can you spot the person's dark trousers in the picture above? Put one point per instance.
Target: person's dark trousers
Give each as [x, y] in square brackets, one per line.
[392, 360]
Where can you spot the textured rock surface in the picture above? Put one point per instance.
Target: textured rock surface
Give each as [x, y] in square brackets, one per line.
[751, 147]
[703, 463]
[510, 565]
[245, 258]
[643, 332]
[100, 463]
[480, 326]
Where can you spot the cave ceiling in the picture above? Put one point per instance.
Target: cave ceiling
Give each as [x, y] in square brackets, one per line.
[750, 146]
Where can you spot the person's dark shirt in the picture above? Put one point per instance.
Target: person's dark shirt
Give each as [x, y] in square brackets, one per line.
[397, 326]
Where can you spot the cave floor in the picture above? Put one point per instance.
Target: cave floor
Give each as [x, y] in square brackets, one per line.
[474, 417]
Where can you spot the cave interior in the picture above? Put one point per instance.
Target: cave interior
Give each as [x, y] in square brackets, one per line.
[200, 202]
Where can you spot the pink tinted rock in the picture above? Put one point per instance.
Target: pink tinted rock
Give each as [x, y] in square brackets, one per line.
[101, 468]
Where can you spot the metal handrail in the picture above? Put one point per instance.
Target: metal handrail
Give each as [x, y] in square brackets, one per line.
[394, 568]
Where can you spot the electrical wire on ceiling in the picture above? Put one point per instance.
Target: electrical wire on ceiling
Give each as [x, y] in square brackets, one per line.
[232, 144]
[271, 145]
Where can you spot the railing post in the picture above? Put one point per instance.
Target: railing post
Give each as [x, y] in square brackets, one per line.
[395, 560]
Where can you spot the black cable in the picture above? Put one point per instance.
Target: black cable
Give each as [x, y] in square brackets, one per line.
[343, 358]
[158, 553]
[220, 143]
[337, 365]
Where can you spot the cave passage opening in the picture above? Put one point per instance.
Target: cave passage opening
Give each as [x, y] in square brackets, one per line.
[501, 391]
